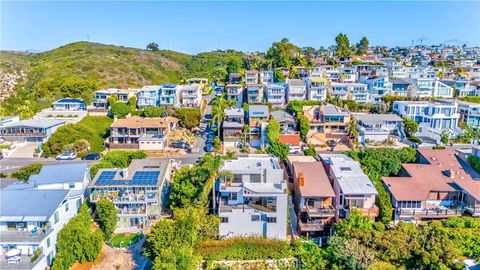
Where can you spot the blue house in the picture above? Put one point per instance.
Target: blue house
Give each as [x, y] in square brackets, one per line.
[149, 96]
[69, 104]
[169, 95]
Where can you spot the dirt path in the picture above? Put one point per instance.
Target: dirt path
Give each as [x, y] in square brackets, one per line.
[110, 259]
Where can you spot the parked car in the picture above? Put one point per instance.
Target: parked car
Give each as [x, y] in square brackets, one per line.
[92, 156]
[209, 147]
[66, 156]
[1, 155]
[180, 144]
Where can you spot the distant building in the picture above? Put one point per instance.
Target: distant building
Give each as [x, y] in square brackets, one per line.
[255, 93]
[378, 86]
[141, 133]
[401, 88]
[275, 94]
[432, 117]
[378, 127]
[69, 104]
[316, 88]
[235, 92]
[191, 95]
[38, 130]
[138, 192]
[258, 116]
[254, 202]
[102, 96]
[169, 95]
[266, 76]
[232, 127]
[340, 91]
[251, 77]
[469, 113]
[149, 96]
[296, 90]
[288, 123]
[234, 78]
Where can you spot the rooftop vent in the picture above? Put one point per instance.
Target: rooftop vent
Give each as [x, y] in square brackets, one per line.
[301, 180]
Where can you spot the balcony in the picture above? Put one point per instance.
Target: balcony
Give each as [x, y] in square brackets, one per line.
[17, 237]
[369, 130]
[132, 212]
[473, 211]
[324, 211]
[24, 263]
[310, 227]
[432, 213]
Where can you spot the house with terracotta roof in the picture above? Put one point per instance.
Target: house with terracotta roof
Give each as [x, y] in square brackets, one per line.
[293, 140]
[353, 189]
[141, 133]
[441, 185]
[313, 199]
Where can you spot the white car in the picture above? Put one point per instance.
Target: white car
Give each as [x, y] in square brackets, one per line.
[66, 156]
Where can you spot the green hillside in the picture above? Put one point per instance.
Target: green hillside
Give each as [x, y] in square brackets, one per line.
[78, 69]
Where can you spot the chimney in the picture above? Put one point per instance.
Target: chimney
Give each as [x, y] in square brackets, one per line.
[301, 180]
[115, 118]
[451, 174]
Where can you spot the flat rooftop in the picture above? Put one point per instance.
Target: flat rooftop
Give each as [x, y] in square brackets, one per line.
[349, 174]
[376, 118]
[252, 163]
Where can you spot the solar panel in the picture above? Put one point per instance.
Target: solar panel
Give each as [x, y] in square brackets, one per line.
[139, 178]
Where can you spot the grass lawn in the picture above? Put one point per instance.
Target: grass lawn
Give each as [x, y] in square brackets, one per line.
[124, 240]
[101, 125]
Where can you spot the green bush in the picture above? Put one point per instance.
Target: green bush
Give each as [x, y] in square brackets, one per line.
[91, 129]
[77, 241]
[415, 139]
[116, 159]
[25, 172]
[107, 217]
[250, 248]
[276, 148]
[153, 112]
[188, 117]
[120, 109]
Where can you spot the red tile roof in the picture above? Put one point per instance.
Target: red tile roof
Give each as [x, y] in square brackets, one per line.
[290, 139]
[425, 178]
[316, 183]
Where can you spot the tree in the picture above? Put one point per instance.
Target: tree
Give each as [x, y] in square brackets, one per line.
[343, 45]
[120, 110]
[309, 255]
[282, 53]
[276, 148]
[217, 143]
[352, 129]
[153, 112]
[303, 126]
[445, 136]
[234, 65]
[132, 103]
[112, 100]
[152, 46]
[278, 76]
[26, 110]
[310, 151]
[25, 172]
[362, 46]
[410, 126]
[77, 242]
[107, 217]
[188, 117]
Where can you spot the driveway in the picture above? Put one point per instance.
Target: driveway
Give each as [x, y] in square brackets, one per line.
[24, 151]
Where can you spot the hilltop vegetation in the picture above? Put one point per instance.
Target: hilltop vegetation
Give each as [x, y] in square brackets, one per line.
[78, 69]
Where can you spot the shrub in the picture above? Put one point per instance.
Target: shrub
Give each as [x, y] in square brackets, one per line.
[107, 217]
[117, 159]
[153, 112]
[188, 117]
[25, 172]
[120, 109]
[250, 248]
[415, 139]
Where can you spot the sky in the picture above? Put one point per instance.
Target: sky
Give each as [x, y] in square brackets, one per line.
[194, 27]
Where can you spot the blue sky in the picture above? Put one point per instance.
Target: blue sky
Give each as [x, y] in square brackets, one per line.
[194, 27]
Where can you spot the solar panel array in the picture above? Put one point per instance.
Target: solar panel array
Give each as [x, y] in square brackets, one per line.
[139, 178]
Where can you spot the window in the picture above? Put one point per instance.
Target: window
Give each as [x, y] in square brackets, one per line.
[255, 218]
[271, 219]
[48, 242]
[55, 217]
[224, 219]
[71, 185]
[255, 178]
[67, 206]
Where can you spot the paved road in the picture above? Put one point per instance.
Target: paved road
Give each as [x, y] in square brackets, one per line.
[11, 164]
